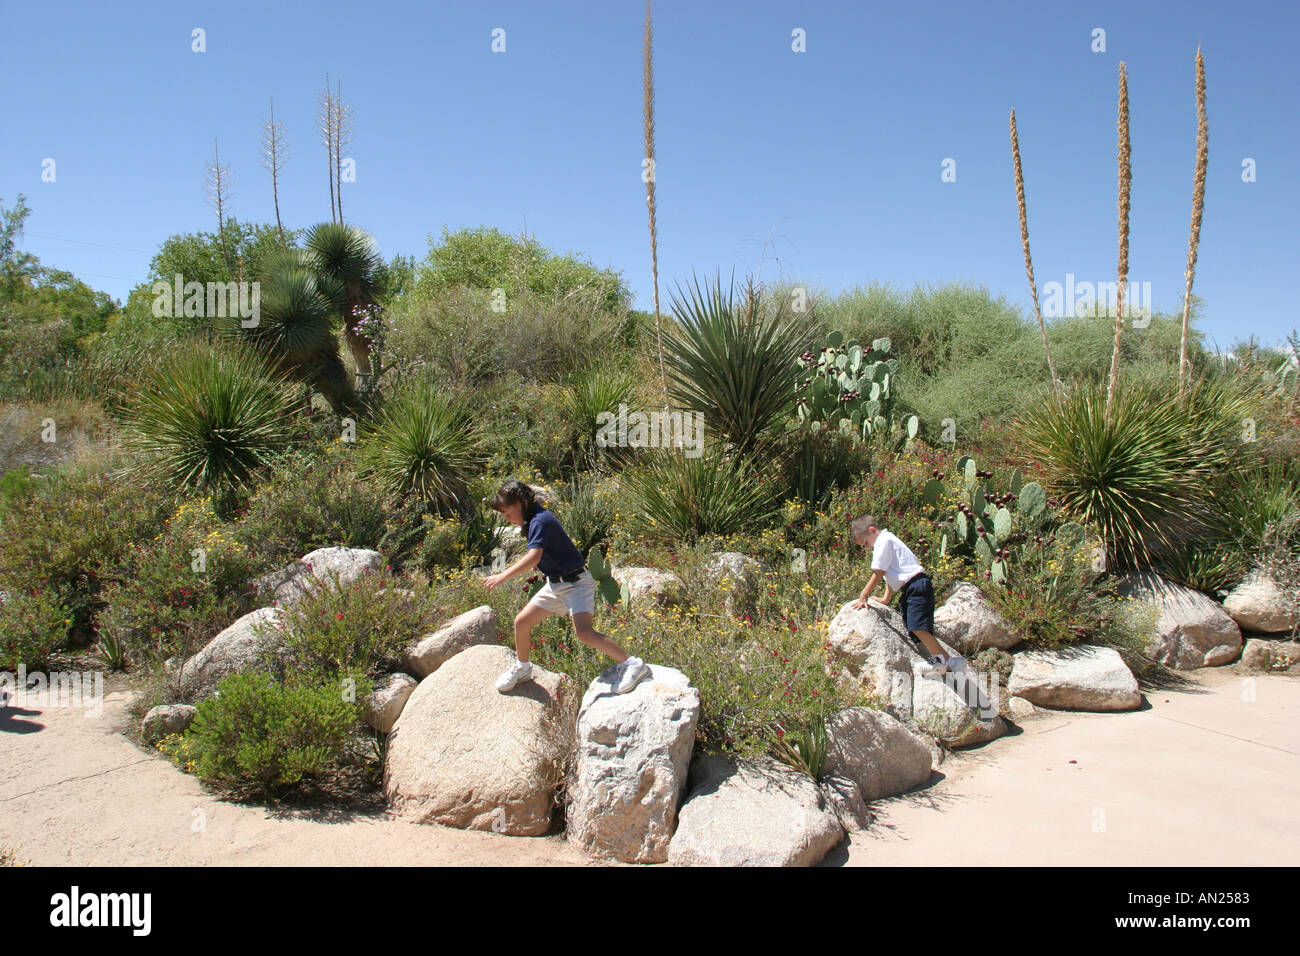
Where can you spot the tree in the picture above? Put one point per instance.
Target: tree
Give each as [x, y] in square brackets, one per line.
[273, 157]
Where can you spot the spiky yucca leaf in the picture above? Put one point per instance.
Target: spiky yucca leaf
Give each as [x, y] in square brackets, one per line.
[422, 444]
[348, 255]
[294, 325]
[734, 363]
[208, 418]
[1140, 475]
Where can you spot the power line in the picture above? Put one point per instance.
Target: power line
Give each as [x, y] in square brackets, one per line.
[83, 242]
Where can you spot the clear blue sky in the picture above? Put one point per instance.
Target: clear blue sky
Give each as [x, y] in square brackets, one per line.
[835, 152]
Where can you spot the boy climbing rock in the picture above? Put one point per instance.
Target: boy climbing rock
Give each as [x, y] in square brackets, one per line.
[569, 587]
[904, 575]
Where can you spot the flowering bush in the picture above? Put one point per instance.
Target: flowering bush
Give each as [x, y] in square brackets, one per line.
[32, 624]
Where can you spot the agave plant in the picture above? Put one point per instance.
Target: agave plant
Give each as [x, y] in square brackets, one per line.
[208, 419]
[420, 443]
[686, 498]
[736, 363]
[348, 264]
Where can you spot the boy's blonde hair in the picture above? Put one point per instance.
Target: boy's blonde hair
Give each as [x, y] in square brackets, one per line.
[859, 526]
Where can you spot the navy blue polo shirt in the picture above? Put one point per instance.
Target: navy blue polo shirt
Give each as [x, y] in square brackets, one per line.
[559, 554]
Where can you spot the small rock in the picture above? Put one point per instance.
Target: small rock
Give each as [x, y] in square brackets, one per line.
[970, 622]
[877, 752]
[1258, 604]
[166, 719]
[1193, 630]
[1020, 708]
[649, 585]
[1267, 656]
[384, 705]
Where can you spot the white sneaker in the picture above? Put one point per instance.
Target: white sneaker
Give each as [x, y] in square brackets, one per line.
[956, 664]
[518, 672]
[934, 668]
[635, 671]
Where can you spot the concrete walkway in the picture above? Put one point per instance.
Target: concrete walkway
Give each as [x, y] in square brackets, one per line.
[1201, 777]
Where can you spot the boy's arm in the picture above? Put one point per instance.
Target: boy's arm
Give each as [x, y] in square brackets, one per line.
[525, 563]
[871, 586]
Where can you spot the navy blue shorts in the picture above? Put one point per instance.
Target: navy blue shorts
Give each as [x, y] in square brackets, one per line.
[916, 602]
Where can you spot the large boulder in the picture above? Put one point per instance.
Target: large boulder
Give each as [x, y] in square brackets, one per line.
[1258, 604]
[968, 621]
[883, 756]
[1264, 655]
[958, 709]
[844, 798]
[649, 585]
[252, 643]
[633, 755]
[322, 566]
[874, 647]
[1193, 631]
[752, 813]
[465, 755]
[384, 704]
[166, 719]
[428, 653]
[1075, 678]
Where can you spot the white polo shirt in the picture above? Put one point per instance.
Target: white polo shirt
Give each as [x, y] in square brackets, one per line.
[894, 558]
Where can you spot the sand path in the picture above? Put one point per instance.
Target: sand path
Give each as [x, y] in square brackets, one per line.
[1201, 776]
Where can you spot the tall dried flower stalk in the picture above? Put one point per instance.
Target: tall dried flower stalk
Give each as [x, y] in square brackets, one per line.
[648, 101]
[1125, 186]
[1024, 240]
[1198, 208]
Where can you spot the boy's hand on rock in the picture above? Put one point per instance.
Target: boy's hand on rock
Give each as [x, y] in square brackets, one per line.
[859, 604]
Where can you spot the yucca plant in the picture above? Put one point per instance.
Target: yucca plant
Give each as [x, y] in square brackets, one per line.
[208, 419]
[589, 394]
[735, 362]
[348, 264]
[422, 444]
[111, 651]
[1140, 475]
[716, 493]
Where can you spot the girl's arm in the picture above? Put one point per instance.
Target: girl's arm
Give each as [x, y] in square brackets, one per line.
[526, 563]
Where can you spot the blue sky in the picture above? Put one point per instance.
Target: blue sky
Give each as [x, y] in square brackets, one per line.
[834, 153]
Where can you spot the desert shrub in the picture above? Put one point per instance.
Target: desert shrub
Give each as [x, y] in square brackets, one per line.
[1141, 475]
[258, 736]
[422, 444]
[313, 501]
[586, 510]
[71, 532]
[32, 625]
[455, 335]
[174, 593]
[734, 361]
[362, 627]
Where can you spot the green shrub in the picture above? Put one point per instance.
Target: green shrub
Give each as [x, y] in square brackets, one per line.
[173, 594]
[71, 533]
[32, 624]
[313, 500]
[735, 362]
[257, 735]
[1142, 475]
[363, 627]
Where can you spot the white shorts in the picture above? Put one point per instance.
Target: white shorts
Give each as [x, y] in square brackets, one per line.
[577, 597]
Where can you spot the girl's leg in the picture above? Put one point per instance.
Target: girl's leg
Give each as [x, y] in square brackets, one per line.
[525, 621]
[582, 626]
